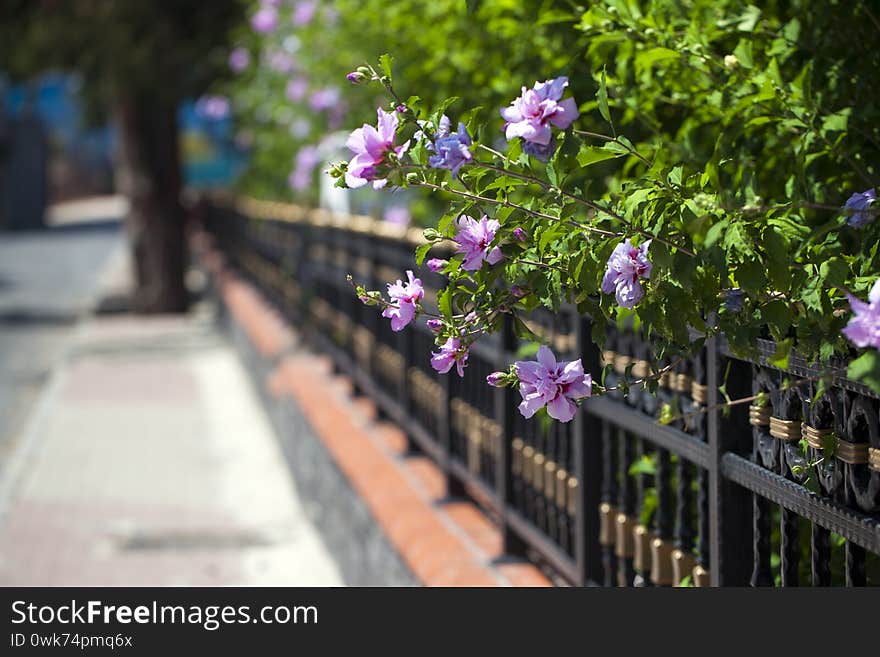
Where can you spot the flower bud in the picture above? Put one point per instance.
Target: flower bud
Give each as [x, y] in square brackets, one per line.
[517, 292]
[356, 77]
[437, 264]
[434, 325]
[431, 234]
[402, 109]
[520, 235]
[497, 379]
[730, 62]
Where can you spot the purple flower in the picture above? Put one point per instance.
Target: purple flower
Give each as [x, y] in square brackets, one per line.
[531, 115]
[856, 208]
[863, 329]
[452, 352]
[474, 239]
[324, 99]
[626, 266]
[519, 234]
[265, 20]
[280, 62]
[370, 147]
[306, 160]
[437, 264]
[547, 383]
[214, 108]
[496, 379]
[303, 12]
[397, 215]
[355, 77]
[450, 148]
[296, 89]
[434, 325]
[404, 297]
[542, 152]
[239, 59]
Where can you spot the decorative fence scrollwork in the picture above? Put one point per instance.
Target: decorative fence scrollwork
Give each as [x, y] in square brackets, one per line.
[785, 491]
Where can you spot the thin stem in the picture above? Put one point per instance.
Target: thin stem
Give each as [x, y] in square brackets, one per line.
[514, 206]
[616, 140]
[590, 204]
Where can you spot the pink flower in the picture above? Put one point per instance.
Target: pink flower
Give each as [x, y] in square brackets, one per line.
[863, 329]
[404, 300]
[296, 89]
[531, 115]
[371, 146]
[265, 20]
[626, 266]
[397, 215]
[452, 352]
[474, 239]
[303, 12]
[497, 379]
[547, 383]
[239, 59]
[324, 99]
[437, 264]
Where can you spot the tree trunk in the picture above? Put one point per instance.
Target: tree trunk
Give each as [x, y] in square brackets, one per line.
[148, 173]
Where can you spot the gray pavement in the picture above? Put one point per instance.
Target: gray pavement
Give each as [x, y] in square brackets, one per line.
[143, 455]
[47, 282]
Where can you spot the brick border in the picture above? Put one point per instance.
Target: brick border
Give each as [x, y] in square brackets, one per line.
[442, 541]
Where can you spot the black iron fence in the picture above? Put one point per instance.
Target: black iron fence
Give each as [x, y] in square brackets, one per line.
[614, 498]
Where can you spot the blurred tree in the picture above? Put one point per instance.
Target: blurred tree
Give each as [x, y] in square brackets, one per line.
[138, 59]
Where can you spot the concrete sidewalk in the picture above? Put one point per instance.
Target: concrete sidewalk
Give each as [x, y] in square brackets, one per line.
[149, 461]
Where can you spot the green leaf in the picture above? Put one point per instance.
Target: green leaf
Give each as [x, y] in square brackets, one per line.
[834, 270]
[647, 58]
[444, 301]
[588, 155]
[866, 369]
[385, 62]
[782, 354]
[421, 252]
[602, 98]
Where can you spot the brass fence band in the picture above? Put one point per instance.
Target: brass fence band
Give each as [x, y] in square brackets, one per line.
[701, 576]
[550, 481]
[683, 563]
[874, 458]
[624, 545]
[641, 369]
[572, 486]
[814, 436]
[700, 392]
[538, 471]
[562, 500]
[852, 453]
[621, 362]
[661, 562]
[607, 517]
[787, 430]
[759, 416]
[682, 382]
[516, 453]
[642, 556]
[608, 357]
[528, 454]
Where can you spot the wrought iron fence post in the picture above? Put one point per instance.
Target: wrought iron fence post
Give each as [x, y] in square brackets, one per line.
[587, 447]
[730, 524]
[504, 409]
